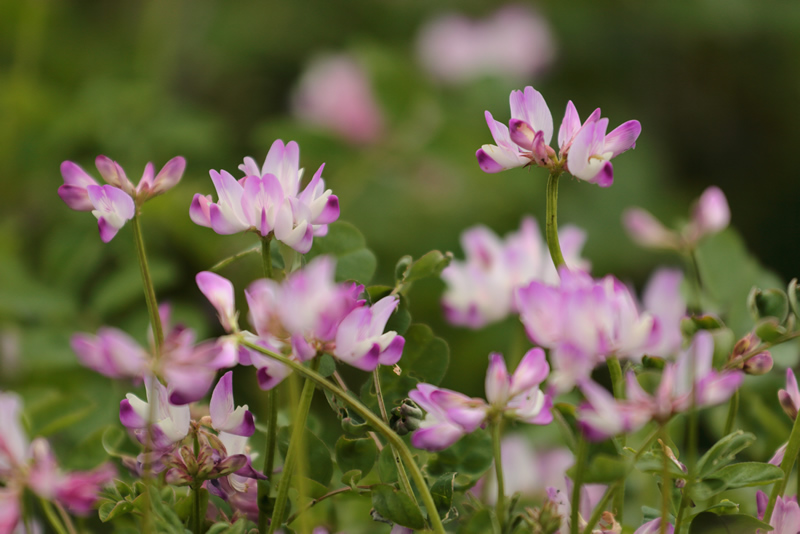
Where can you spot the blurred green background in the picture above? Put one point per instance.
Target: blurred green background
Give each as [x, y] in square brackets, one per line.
[715, 84]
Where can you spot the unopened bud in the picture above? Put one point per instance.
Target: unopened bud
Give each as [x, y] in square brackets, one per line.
[229, 465]
[178, 477]
[188, 459]
[205, 462]
[787, 404]
[759, 364]
[744, 344]
[406, 417]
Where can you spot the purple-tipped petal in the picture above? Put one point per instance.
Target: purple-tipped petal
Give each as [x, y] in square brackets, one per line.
[623, 138]
[391, 355]
[521, 133]
[330, 213]
[169, 176]
[219, 291]
[531, 371]
[129, 417]
[200, 211]
[436, 438]
[224, 417]
[605, 177]
[112, 207]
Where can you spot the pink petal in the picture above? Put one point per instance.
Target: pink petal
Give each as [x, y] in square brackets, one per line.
[169, 176]
[569, 126]
[497, 380]
[623, 138]
[219, 291]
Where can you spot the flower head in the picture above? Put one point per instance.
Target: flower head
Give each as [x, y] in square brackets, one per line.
[115, 204]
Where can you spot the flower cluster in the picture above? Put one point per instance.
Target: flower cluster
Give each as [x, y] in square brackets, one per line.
[709, 215]
[25, 464]
[116, 203]
[188, 367]
[450, 414]
[480, 290]
[691, 379]
[585, 150]
[268, 200]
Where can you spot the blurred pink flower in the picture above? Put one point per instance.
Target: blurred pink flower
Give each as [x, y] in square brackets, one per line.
[515, 42]
[334, 93]
[480, 289]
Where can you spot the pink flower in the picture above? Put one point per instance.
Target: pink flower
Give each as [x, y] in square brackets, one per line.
[450, 414]
[334, 93]
[224, 417]
[583, 321]
[13, 440]
[267, 200]
[111, 352]
[360, 339]
[170, 422]
[515, 41]
[589, 499]
[710, 215]
[115, 204]
[654, 527]
[219, 291]
[785, 517]
[790, 397]
[662, 298]
[585, 149]
[480, 289]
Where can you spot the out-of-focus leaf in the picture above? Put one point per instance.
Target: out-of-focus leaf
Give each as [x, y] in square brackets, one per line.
[471, 456]
[346, 243]
[318, 459]
[356, 454]
[482, 522]
[124, 286]
[723, 452]
[442, 493]
[602, 469]
[397, 507]
[711, 523]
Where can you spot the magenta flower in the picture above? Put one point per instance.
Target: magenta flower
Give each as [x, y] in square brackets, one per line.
[710, 214]
[224, 417]
[790, 397]
[525, 141]
[112, 353]
[13, 440]
[170, 424]
[334, 93]
[585, 149]
[785, 517]
[115, 204]
[266, 200]
[515, 42]
[360, 339]
[449, 416]
[583, 321]
[589, 499]
[480, 290]
[219, 291]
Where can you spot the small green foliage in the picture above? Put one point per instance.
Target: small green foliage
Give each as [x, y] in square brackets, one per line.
[470, 456]
[354, 261]
[356, 454]
[397, 507]
[711, 523]
[768, 303]
[442, 493]
[318, 457]
[723, 452]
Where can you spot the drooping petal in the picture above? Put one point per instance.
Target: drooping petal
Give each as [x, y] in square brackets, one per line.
[112, 207]
[219, 291]
[224, 417]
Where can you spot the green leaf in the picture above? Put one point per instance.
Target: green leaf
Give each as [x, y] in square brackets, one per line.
[442, 493]
[110, 510]
[425, 359]
[470, 456]
[353, 260]
[653, 462]
[722, 507]
[768, 303]
[387, 470]
[318, 457]
[401, 318]
[397, 507]
[482, 522]
[748, 474]
[711, 523]
[769, 329]
[327, 365]
[57, 412]
[723, 452]
[351, 478]
[430, 264]
[602, 469]
[793, 294]
[356, 454]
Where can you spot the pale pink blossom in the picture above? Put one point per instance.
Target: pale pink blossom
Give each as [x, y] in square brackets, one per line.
[334, 93]
[785, 517]
[360, 339]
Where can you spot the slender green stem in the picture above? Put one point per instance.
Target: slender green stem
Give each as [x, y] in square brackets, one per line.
[398, 462]
[147, 282]
[197, 521]
[551, 218]
[65, 518]
[601, 506]
[370, 418]
[666, 484]
[52, 517]
[577, 482]
[272, 416]
[691, 455]
[328, 495]
[733, 408]
[500, 509]
[227, 261]
[618, 387]
[298, 429]
[695, 305]
[266, 256]
[789, 457]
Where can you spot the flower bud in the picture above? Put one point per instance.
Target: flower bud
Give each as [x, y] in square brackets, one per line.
[787, 403]
[406, 417]
[229, 465]
[178, 477]
[759, 364]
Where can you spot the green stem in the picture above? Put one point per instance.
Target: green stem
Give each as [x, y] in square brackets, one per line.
[227, 261]
[298, 429]
[695, 306]
[65, 518]
[272, 416]
[618, 386]
[792, 449]
[580, 467]
[500, 509]
[372, 419]
[601, 506]
[691, 454]
[398, 462]
[55, 522]
[551, 218]
[196, 519]
[147, 282]
[733, 408]
[269, 460]
[666, 485]
[266, 256]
